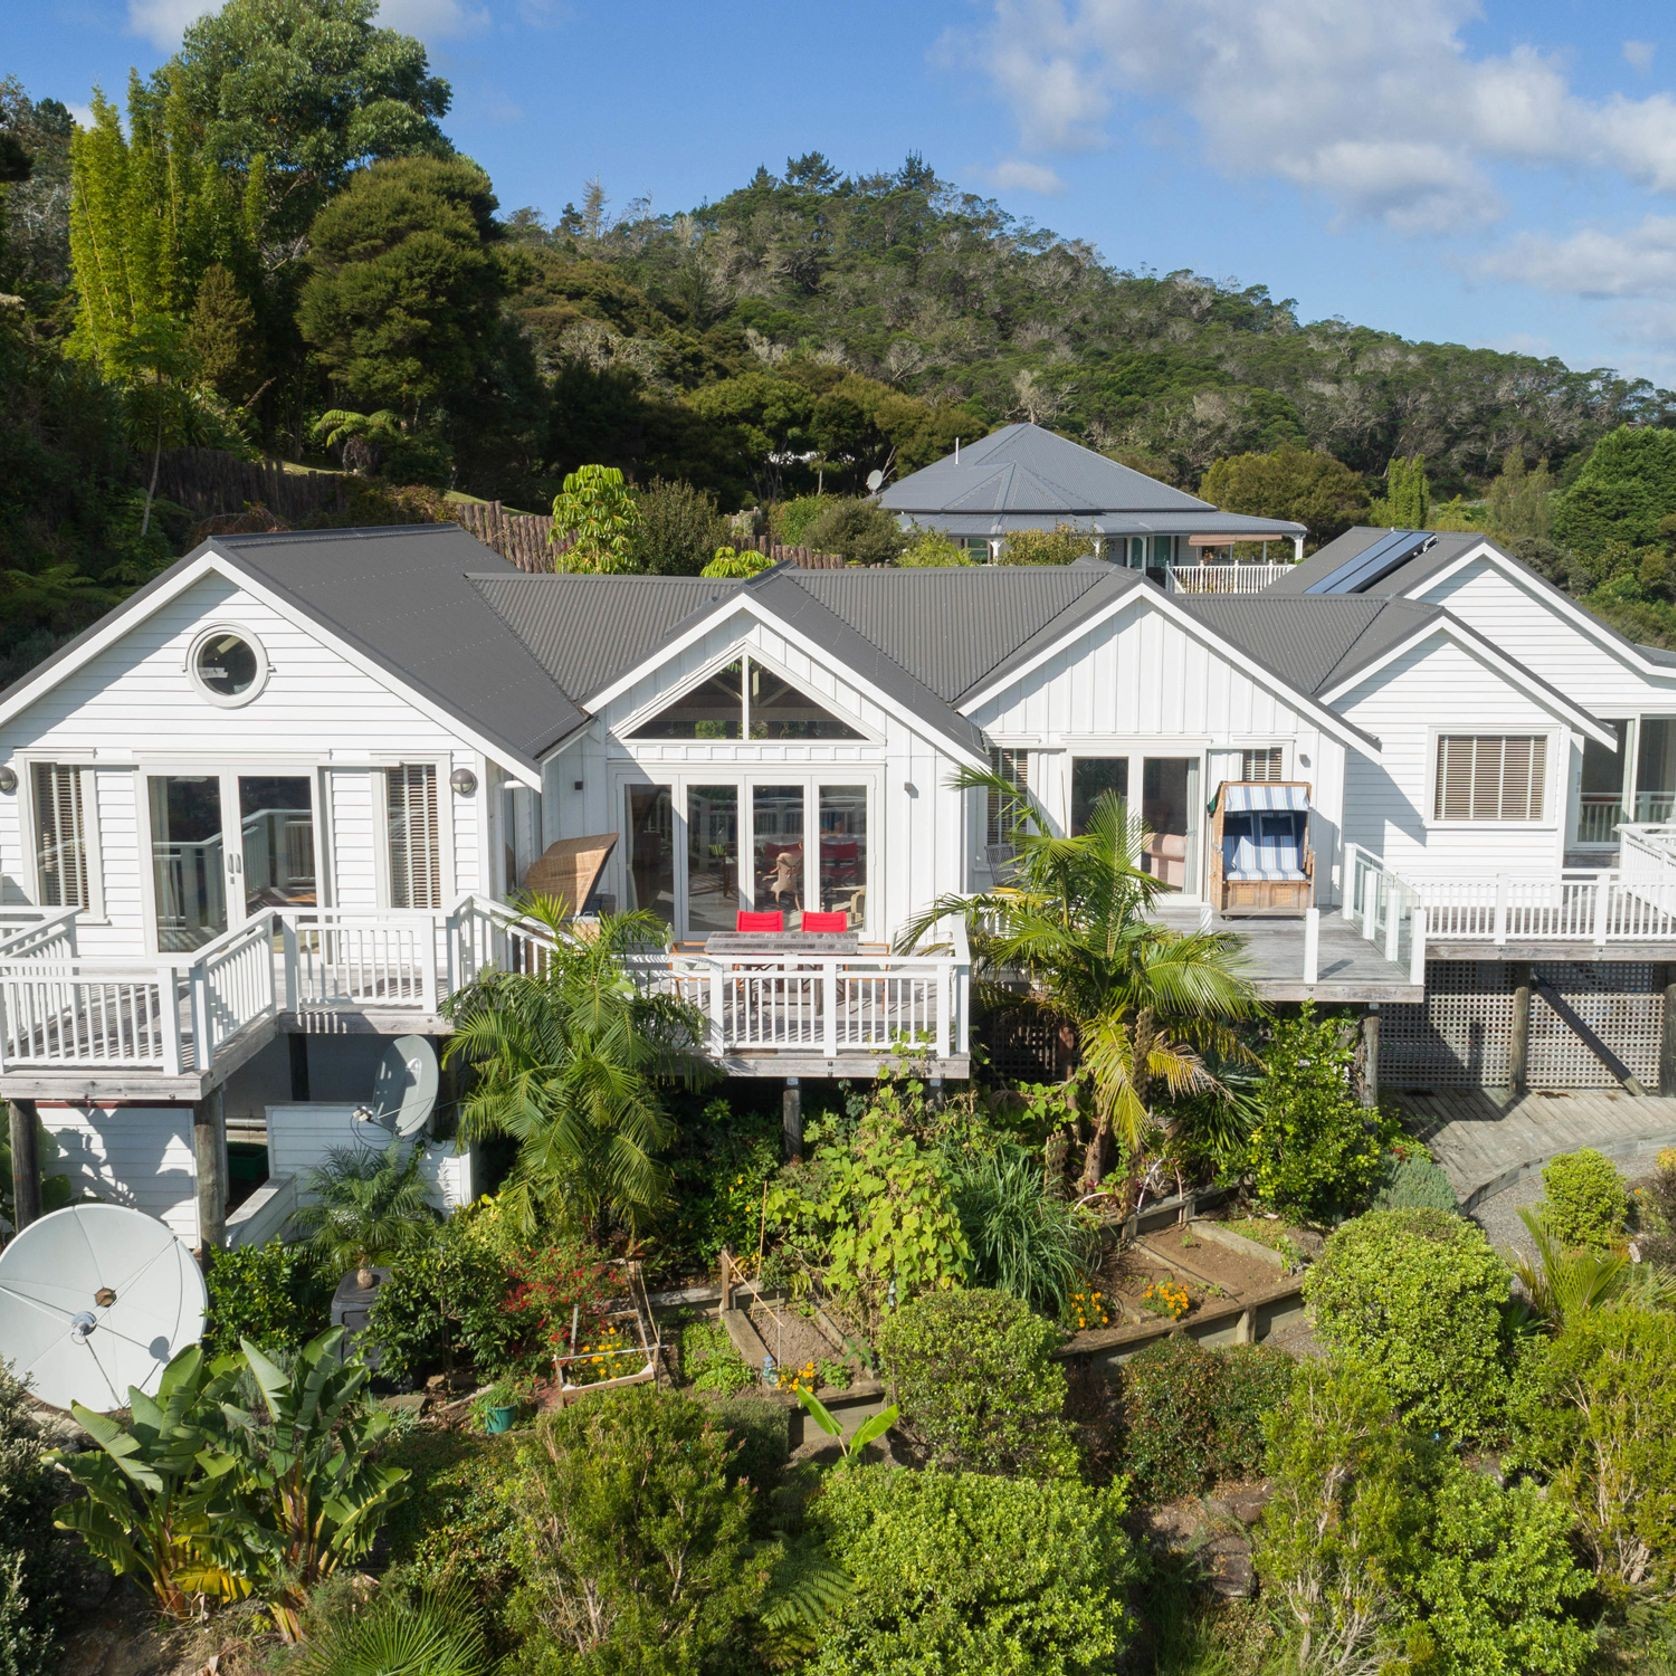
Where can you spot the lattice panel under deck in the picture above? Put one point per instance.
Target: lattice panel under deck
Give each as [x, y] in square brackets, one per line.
[1460, 1036]
[1622, 1003]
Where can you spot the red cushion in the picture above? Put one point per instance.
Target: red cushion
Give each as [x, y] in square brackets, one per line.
[839, 921]
[760, 922]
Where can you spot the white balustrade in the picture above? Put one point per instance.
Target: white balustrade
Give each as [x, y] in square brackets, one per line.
[1236, 578]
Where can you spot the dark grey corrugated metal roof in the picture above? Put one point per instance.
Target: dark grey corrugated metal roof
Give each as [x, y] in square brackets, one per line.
[404, 598]
[1445, 547]
[1113, 524]
[1023, 468]
[587, 630]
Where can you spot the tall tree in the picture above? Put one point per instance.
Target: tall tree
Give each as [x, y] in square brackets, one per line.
[1300, 484]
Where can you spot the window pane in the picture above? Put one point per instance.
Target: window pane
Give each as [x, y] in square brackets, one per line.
[1090, 778]
[650, 835]
[777, 833]
[276, 820]
[712, 858]
[1491, 777]
[415, 837]
[60, 836]
[714, 709]
[188, 869]
[780, 711]
[1655, 773]
[844, 851]
[1170, 807]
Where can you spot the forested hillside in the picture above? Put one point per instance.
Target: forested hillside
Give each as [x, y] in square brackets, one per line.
[274, 248]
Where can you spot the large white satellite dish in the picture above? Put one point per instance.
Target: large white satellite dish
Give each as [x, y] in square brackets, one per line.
[405, 1088]
[95, 1299]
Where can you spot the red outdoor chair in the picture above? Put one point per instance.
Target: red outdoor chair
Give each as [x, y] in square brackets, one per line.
[838, 921]
[748, 921]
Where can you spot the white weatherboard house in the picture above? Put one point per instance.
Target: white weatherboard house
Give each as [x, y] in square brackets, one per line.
[271, 810]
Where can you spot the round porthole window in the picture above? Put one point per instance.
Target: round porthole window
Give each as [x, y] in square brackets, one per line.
[228, 666]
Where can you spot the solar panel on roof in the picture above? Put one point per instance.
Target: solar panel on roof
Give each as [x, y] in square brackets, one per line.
[1373, 562]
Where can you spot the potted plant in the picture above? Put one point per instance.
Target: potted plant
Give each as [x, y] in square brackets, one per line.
[363, 1207]
[497, 1407]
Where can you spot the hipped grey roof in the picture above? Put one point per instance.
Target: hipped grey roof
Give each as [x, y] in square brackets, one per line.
[1112, 524]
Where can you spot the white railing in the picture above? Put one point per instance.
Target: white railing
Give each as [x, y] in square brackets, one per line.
[46, 933]
[337, 957]
[231, 985]
[1236, 578]
[1387, 910]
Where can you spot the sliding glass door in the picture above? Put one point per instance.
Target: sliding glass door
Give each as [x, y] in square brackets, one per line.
[1170, 801]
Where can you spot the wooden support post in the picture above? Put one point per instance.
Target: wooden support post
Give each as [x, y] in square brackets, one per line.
[209, 1157]
[791, 1120]
[297, 1044]
[1667, 1041]
[1370, 1056]
[1519, 1048]
[26, 1163]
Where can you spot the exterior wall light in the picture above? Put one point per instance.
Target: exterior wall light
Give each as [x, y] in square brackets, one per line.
[463, 781]
[8, 779]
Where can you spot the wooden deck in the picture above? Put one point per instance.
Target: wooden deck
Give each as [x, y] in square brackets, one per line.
[1486, 1140]
[1351, 968]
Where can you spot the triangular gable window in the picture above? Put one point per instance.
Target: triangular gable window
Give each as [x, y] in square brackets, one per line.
[745, 700]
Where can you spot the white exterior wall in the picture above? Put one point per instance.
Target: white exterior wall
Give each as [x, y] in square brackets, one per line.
[914, 839]
[139, 1156]
[299, 1138]
[1142, 681]
[1441, 687]
[134, 707]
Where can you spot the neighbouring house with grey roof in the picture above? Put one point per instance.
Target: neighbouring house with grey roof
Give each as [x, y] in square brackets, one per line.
[271, 811]
[1023, 477]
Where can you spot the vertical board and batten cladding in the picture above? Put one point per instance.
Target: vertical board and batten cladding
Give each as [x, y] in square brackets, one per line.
[139, 1156]
[135, 700]
[916, 839]
[1141, 677]
[1525, 623]
[1438, 686]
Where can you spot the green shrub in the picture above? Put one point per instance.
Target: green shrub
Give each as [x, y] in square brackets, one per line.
[635, 1547]
[931, 549]
[962, 1574]
[275, 1295]
[790, 519]
[1595, 1411]
[759, 1431]
[443, 1307]
[1585, 1201]
[458, 1522]
[857, 530]
[1191, 1417]
[1418, 1294]
[30, 1561]
[680, 528]
[1062, 545]
[1412, 1180]
[977, 1386]
[726, 1155]
[1024, 1241]
[709, 1361]
[401, 1633]
[1315, 1152]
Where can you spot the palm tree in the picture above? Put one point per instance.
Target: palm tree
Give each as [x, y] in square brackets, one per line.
[1153, 1010]
[572, 1063]
[365, 1207]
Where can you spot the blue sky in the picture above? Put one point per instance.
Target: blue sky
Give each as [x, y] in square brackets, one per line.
[1490, 174]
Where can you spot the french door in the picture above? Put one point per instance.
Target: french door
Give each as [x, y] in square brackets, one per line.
[224, 847]
[1165, 792]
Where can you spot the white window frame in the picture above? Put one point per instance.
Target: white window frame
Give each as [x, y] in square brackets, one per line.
[228, 701]
[1552, 754]
[29, 828]
[443, 768]
[1269, 747]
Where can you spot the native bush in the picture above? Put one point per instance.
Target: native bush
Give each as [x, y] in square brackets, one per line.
[443, 1306]
[977, 1385]
[458, 1521]
[931, 550]
[1191, 1417]
[1024, 1241]
[1062, 545]
[1585, 1202]
[679, 530]
[1315, 1152]
[30, 1568]
[1656, 1211]
[1595, 1410]
[790, 519]
[964, 1574]
[857, 530]
[725, 1158]
[273, 1294]
[1420, 1295]
[1412, 1180]
[635, 1547]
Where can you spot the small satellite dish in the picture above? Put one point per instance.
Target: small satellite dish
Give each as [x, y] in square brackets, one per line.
[875, 481]
[404, 1090]
[95, 1299]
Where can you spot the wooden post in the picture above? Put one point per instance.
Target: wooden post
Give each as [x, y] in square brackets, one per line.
[791, 1120]
[1667, 1041]
[297, 1045]
[1519, 1047]
[209, 1158]
[26, 1163]
[1370, 1056]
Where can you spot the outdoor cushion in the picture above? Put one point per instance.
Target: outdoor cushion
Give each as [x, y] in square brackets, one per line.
[747, 921]
[839, 921]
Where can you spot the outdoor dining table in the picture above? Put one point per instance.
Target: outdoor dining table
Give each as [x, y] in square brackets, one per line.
[782, 942]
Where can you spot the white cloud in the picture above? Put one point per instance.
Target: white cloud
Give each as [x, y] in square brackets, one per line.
[1639, 55]
[1016, 174]
[432, 20]
[163, 22]
[1595, 262]
[1382, 108]
[83, 115]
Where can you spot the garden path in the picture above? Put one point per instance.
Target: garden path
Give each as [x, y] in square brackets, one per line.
[1486, 1141]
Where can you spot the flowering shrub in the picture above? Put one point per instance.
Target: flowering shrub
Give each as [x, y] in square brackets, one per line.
[1168, 1298]
[554, 1287]
[605, 1353]
[1086, 1309]
[793, 1380]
